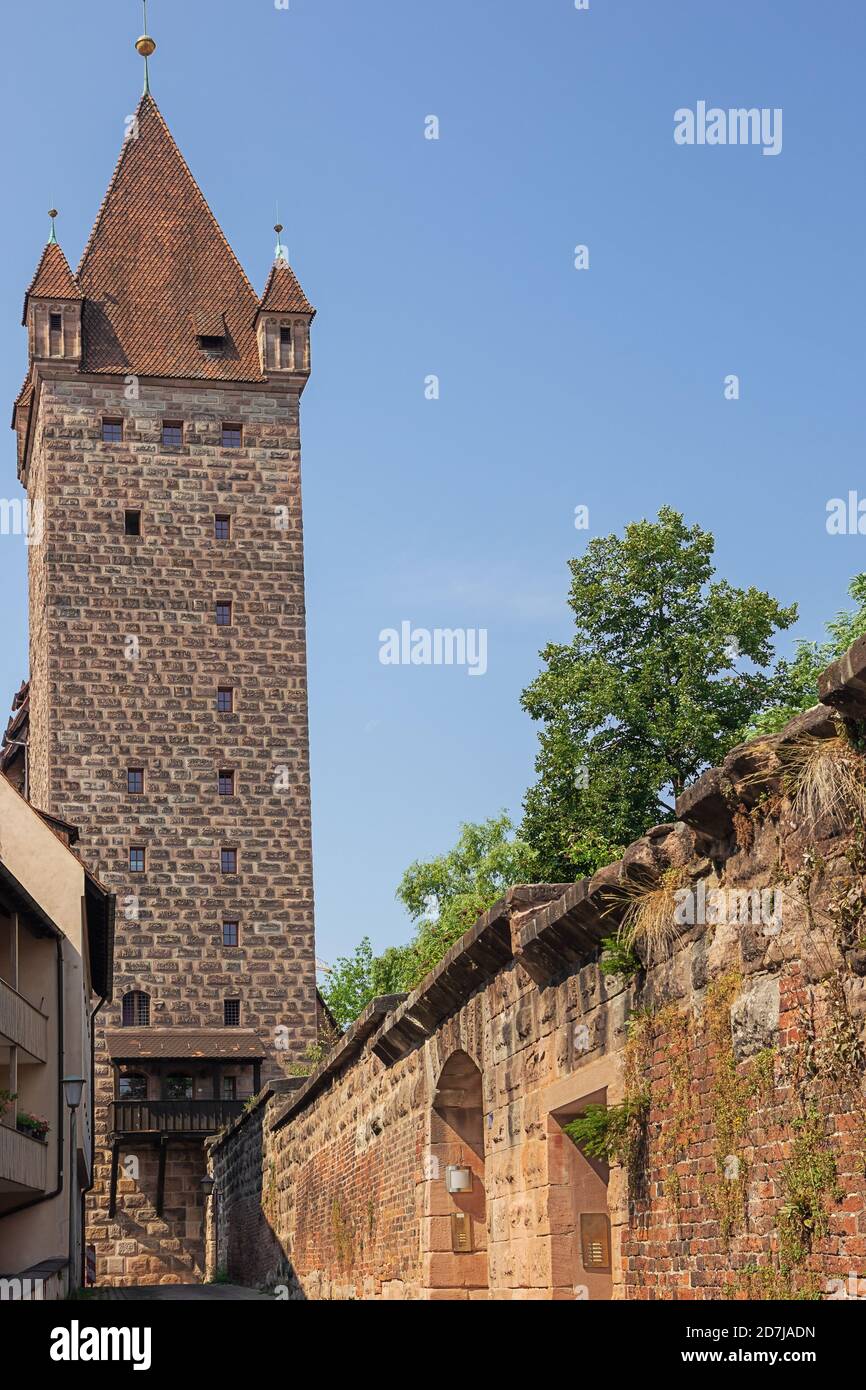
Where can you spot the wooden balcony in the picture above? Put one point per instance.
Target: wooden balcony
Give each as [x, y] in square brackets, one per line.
[23, 1161]
[182, 1118]
[22, 1025]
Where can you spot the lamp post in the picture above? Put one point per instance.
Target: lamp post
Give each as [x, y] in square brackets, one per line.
[73, 1087]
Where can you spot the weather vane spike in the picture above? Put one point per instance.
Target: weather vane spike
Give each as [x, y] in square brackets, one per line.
[52, 240]
[146, 47]
[281, 252]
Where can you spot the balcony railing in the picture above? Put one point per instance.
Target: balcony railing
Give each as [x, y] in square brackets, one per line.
[23, 1160]
[21, 1024]
[173, 1116]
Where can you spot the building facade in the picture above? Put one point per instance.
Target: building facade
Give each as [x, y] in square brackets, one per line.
[158, 441]
[56, 930]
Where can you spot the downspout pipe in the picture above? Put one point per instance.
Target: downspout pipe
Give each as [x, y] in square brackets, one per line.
[89, 1187]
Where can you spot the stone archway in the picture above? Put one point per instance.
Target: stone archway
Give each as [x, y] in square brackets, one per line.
[455, 1229]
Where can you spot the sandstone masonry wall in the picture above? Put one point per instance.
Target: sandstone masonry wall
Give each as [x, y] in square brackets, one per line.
[126, 659]
[744, 1040]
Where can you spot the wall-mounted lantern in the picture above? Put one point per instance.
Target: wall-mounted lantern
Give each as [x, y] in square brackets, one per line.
[207, 1185]
[458, 1178]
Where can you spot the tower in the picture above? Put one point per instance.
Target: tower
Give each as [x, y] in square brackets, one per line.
[158, 435]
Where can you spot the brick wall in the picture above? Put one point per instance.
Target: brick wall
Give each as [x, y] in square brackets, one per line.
[745, 1174]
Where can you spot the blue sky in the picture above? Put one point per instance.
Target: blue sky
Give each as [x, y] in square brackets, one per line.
[455, 257]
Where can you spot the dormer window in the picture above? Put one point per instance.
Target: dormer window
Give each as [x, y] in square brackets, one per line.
[210, 330]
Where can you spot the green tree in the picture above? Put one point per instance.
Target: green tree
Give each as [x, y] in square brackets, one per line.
[646, 695]
[348, 986]
[798, 678]
[443, 897]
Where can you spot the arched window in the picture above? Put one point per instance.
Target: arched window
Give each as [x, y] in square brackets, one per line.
[136, 1009]
[133, 1086]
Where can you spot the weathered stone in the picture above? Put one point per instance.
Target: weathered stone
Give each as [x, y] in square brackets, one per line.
[755, 1017]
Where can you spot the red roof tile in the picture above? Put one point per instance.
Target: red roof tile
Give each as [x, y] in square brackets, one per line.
[53, 278]
[283, 293]
[157, 257]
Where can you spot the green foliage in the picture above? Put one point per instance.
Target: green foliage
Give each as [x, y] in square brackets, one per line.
[646, 695]
[618, 958]
[797, 679]
[610, 1132]
[443, 896]
[809, 1183]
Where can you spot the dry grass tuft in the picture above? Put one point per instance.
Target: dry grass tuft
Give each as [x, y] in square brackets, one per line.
[825, 777]
[649, 926]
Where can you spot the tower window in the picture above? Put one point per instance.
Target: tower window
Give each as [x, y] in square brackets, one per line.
[222, 528]
[226, 783]
[135, 780]
[56, 323]
[232, 436]
[230, 933]
[55, 334]
[136, 1009]
[232, 1013]
[225, 699]
[132, 523]
[286, 345]
[112, 431]
[176, 1086]
[228, 861]
[137, 857]
[172, 434]
[133, 1086]
[224, 613]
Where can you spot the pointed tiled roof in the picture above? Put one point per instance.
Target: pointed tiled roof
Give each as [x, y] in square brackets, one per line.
[283, 293]
[53, 278]
[155, 260]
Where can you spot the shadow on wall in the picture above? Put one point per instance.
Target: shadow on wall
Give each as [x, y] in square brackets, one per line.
[253, 1253]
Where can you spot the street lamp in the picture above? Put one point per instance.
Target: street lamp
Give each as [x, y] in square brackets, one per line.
[73, 1087]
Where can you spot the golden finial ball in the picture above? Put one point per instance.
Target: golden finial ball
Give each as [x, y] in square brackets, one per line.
[278, 228]
[146, 45]
[52, 212]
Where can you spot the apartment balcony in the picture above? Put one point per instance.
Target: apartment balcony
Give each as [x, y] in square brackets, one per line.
[182, 1119]
[23, 1166]
[21, 1025]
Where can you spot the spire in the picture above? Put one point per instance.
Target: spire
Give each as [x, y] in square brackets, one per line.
[156, 262]
[52, 240]
[281, 253]
[146, 46]
[53, 278]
